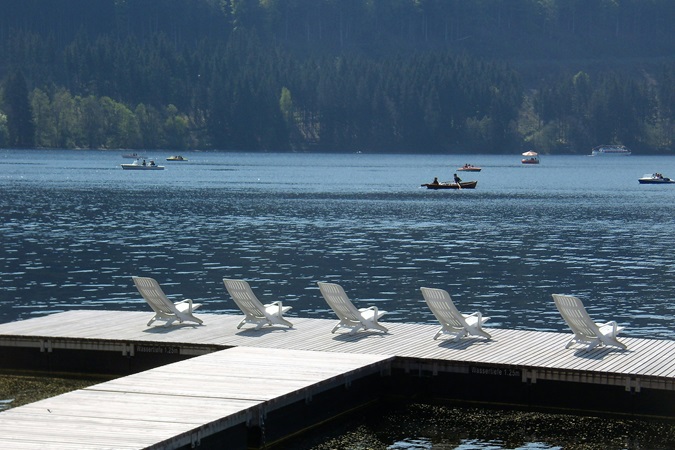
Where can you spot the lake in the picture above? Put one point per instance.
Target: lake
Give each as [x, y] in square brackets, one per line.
[76, 227]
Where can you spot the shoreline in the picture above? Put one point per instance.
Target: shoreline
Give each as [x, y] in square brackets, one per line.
[25, 389]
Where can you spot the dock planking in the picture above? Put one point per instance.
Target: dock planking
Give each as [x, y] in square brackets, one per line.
[177, 405]
[241, 374]
[526, 348]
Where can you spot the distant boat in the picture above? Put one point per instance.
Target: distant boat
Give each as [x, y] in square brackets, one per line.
[654, 178]
[530, 158]
[469, 168]
[133, 156]
[176, 158]
[451, 185]
[610, 150]
[142, 165]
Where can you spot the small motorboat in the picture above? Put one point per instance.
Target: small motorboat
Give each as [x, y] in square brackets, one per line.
[530, 158]
[469, 168]
[655, 178]
[176, 158]
[451, 185]
[142, 165]
[133, 156]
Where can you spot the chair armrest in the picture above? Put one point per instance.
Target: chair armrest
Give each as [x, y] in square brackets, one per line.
[373, 309]
[611, 323]
[188, 301]
[278, 304]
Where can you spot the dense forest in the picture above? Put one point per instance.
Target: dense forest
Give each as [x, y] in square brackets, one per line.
[488, 76]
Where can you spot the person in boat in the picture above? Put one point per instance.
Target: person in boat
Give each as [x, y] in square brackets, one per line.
[435, 180]
[152, 163]
[143, 162]
[457, 179]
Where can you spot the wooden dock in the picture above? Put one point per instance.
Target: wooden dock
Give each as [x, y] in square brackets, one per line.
[179, 405]
[227, 379]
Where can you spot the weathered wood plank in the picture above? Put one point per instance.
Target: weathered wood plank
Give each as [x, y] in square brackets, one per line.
[173, 402]
[508, 347]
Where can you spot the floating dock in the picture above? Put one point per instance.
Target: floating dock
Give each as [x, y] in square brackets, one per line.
[188, 386]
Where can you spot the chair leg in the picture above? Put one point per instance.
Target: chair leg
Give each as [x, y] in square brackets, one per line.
[593, 344]
[380, 327]
[285, 322]
[355, 328]
[483, 333]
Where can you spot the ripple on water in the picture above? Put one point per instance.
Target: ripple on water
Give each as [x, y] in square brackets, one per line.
[500, 249]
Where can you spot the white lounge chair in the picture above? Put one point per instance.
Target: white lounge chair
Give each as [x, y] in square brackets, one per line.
[254, 311]
[452, 321]
[164, 308]
[349, 316]
[585, 330]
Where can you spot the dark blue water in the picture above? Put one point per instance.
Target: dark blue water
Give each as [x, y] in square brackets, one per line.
[75, 227]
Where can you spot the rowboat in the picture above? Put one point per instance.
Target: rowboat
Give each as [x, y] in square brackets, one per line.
[449, 185]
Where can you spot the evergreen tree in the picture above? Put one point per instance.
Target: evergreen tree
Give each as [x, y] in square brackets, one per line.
[20, 127]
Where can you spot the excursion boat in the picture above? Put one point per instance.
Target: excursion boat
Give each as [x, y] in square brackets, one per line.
[655, 178]
[176, 158]
[469, 168]
[530, 158]
[142, 165]
[610, 150]
[451, 185]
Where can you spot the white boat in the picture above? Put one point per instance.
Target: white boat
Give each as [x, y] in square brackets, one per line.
[142, 165]
[133, 156]
[655, 178]
[610, 150]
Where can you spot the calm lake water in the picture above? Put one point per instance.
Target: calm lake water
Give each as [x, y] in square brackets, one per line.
[75, 227]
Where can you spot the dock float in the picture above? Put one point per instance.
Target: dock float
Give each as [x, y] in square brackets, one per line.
[188, 385]
[206, 402]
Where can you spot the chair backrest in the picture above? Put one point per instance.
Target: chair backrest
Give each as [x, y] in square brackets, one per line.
[154, 295]
[337, 299]
[573, 311]
[244, 297]
[440, 303]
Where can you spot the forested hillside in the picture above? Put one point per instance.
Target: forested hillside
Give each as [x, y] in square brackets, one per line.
[557, 76]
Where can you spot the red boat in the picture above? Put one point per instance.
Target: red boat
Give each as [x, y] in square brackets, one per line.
[531, 158]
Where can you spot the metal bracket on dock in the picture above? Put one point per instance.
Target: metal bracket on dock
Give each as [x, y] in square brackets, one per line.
[529, 376]
[45, 346]
[128, 350]
[348, 382]
[632, 384]
[196, 439]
